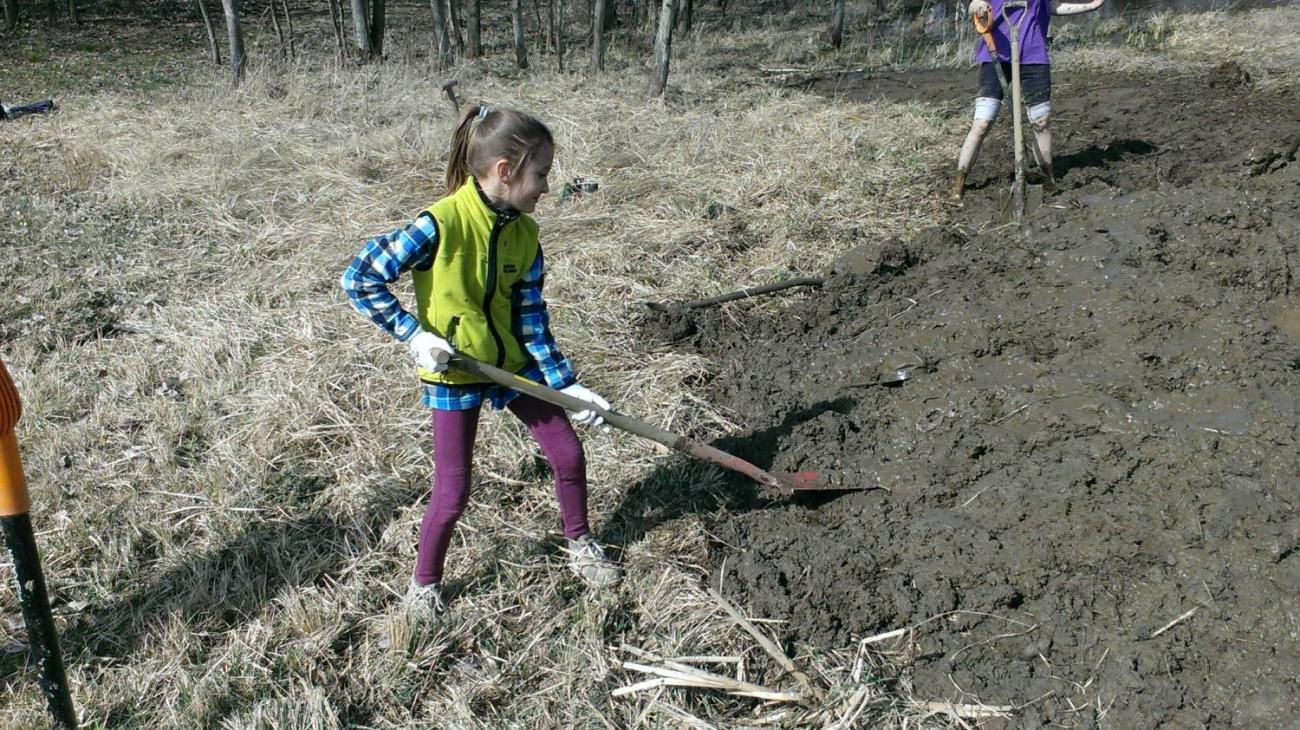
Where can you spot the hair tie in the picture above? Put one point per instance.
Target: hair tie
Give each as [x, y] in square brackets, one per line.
[483, 111]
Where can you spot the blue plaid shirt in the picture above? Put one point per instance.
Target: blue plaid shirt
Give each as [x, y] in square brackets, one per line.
[383, 259]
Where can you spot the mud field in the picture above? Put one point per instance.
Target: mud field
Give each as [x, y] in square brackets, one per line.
[1097, 437]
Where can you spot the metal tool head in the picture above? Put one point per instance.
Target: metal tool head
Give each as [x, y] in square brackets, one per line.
[1033, 198]
[806, 481]
[896, 377]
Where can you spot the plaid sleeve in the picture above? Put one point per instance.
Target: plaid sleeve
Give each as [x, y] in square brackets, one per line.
[535, 328]
[380, 262]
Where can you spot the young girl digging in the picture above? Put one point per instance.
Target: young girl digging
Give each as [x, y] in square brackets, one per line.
[477, 268]
[1035, 79]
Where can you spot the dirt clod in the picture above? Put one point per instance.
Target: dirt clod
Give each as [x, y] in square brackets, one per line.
[1229, 75]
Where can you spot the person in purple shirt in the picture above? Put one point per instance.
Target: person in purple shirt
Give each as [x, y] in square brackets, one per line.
[1035, 79]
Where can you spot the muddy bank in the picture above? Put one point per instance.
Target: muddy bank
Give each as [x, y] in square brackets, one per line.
[1099, 434]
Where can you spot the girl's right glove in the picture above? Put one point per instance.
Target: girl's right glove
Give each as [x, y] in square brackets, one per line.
[425, 346]
[587, 418]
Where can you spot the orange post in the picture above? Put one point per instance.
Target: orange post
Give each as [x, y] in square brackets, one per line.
[13, 487]
[21, 541]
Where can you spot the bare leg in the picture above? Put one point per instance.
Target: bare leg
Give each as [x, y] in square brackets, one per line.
[1043, 137]
[970, 150]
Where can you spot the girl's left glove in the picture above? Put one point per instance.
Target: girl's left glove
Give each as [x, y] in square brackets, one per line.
[587, 418]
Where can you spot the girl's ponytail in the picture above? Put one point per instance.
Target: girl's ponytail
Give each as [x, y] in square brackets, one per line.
[458, 167]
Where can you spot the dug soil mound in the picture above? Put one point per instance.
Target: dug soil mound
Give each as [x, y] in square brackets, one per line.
[1083, 497]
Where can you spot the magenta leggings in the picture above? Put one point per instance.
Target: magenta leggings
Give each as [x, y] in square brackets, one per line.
[453, 446]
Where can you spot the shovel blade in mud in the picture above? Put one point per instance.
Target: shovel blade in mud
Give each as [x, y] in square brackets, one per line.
[1006, 203]
[1004, 214]
[807, 481]
[1033, 198]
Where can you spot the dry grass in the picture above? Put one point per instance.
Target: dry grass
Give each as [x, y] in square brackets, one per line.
[229, 464]
[1262, 41]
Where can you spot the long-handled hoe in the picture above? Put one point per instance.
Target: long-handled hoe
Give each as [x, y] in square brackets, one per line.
[784, 481]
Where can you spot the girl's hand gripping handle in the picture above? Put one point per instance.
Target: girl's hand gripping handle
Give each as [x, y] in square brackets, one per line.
[430, 351]
[981, 13]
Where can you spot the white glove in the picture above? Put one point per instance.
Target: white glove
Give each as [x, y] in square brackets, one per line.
[425, 348]
[587, 418]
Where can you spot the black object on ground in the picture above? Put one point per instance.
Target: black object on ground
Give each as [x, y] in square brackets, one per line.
[14, 112]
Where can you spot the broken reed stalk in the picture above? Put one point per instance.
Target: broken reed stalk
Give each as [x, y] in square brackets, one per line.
[768, 645]
[813, 281]
[1181, 618]
[653, 657]
[966, 711]
[681, 675]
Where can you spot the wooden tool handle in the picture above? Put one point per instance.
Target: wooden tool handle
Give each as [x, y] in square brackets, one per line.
[564, 400]
[631, 425]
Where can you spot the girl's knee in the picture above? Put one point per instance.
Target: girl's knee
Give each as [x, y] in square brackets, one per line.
[445, 516]
[986, 110]
[450, 497]
[567, 459]
[1040, 116]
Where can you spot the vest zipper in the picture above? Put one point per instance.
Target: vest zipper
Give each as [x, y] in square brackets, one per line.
[491, 289]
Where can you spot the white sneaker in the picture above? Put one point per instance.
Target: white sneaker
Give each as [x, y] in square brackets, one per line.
[587, 560]
[424, 600]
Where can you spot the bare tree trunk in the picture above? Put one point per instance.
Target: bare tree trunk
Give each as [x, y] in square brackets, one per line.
[453, 29]
[378, 22]
[550, 24]
[336, 20]
[521, 47]
[279, 33]
[212, 35]
[441, 41]
[597, 36]
[474, 48]
[663, 47]
[288, 23]
[558, 7]
[11, 14]
[52, 11]
[611, 15]
[236, 38]
[634, 10]
[837, 25]
[361, 27]
[542, 40]
[73, 15]
[686, 15]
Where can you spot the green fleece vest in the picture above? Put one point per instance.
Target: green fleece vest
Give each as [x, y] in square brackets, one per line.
[468, 295]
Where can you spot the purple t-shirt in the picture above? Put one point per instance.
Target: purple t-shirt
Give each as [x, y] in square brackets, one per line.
[1033, 33]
